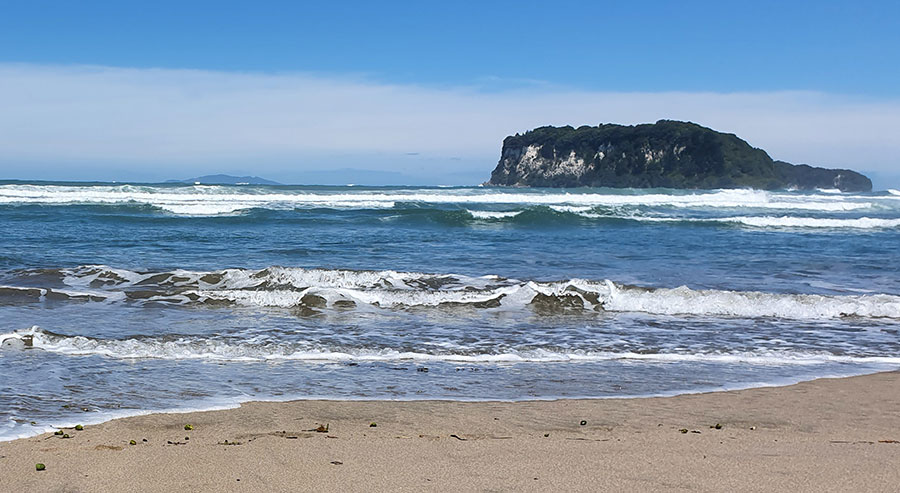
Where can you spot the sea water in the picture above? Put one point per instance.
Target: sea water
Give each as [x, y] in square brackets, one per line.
[124, 299]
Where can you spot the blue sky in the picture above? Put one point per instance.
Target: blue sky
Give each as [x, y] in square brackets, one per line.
[320, 88]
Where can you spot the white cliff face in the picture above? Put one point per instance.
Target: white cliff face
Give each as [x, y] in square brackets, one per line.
[530, 165]
[524, 162]
[652, 155]
[531, 158]
[572, 165]
[527, 163]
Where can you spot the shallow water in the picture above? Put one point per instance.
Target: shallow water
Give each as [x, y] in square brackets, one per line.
[118, 299]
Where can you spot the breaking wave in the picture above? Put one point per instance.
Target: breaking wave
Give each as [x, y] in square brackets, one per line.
[785, 221]
[205, 200]
[316, 290]
[204, 348]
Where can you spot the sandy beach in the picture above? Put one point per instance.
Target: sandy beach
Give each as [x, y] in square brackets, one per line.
[825, 435]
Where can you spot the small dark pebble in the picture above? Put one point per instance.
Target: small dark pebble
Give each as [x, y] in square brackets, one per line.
[337, 462]
[583, 422]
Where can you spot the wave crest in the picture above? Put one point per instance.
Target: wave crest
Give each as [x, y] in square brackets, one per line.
[317, 290]
[216, 200]
[203, 348]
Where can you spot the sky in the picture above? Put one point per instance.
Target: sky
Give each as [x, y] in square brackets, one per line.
[424, 92]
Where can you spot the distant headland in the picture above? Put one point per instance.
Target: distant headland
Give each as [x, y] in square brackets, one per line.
[226, 180]
[667, 153]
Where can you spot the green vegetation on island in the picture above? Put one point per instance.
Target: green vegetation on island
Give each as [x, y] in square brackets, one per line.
[668, 154]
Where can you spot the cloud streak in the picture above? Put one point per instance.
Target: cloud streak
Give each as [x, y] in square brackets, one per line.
[177, 117]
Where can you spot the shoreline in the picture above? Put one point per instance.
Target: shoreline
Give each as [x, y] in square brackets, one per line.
[825, 434]
[236, 403]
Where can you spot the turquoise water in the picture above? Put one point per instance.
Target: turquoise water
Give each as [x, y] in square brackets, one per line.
[119, 299]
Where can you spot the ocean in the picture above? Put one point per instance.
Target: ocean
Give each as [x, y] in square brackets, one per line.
[123, 299]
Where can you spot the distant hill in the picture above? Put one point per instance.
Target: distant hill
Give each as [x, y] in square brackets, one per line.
[227, 180]
[668, 153]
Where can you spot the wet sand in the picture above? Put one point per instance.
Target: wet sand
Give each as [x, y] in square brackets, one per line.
[825, 435]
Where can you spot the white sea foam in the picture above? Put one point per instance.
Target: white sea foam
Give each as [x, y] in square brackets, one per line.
[749, 304]
[217, 350]
[773, 221]
[323, 288]
[893, 192]
[812, 222]
[211, 200]
[493, 214]
[571, 208]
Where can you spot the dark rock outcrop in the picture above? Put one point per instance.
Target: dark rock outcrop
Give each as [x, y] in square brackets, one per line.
[667, 154]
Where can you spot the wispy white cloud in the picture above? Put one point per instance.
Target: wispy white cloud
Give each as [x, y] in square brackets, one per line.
[107, 114]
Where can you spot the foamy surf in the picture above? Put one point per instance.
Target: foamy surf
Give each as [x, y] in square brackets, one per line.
[493, 214]
[777, 222]
[189, 348]
[318, 290]
[217, 200]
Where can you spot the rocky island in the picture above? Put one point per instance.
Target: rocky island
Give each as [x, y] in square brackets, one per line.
[670, 154]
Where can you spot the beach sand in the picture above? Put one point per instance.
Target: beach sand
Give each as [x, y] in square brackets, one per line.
[825, 435]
